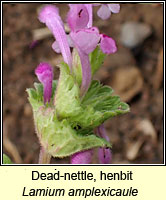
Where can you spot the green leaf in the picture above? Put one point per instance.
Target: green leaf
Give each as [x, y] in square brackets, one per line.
[65, 125]
[98, 105]
[6, 159]
[67, 100]
[96, 93]
[96, 59]
[59, 138]
[39, 91]
[33, 99]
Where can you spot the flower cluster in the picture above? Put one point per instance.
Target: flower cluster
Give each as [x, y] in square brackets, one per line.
[70, 119]
[83, 36]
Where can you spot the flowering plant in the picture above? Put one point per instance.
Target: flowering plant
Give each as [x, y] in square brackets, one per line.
[69, 113]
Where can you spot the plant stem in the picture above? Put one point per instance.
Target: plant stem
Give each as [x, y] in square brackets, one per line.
[44, 157]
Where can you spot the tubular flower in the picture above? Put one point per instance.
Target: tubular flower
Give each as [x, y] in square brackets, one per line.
[105, 10]
[85, 40]
[50, 16]
[105, 155]
[44, 72]
[84, 157]
[78, 19]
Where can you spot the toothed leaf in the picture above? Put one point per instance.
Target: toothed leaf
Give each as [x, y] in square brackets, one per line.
[96, 59]
[35, 96]
[59, 138]
[98, 106]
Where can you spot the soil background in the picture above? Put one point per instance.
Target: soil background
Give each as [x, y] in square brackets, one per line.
[135, 74]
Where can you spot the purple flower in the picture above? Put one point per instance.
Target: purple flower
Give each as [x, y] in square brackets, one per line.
[105, 154]
[85, 40]
[50, 16]
[107, 44]
[56, 47]
[84, 157]
[105, 10]
[44, 72]
[78, 17]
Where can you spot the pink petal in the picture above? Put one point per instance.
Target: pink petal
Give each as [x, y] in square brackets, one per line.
[115, 8]
[56, 47]
[84, 157]
[50, 16]
[70, 41]
[107, 44]
[86, 39]
[78, 17]
[104, 12]
[90, 12]
[44, 73]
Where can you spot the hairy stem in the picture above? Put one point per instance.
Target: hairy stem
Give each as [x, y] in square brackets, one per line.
[44, 157]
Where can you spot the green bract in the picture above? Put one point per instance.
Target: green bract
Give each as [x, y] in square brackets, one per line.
[65, 125]
[96, 59]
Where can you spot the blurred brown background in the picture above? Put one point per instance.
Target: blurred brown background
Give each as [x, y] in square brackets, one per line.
[135, 72]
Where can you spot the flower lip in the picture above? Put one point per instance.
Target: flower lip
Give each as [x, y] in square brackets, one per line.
[86, 39]
[115, 8]
[105, 10]
[107, 44]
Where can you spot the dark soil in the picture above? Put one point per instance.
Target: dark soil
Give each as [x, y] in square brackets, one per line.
[137, 137]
